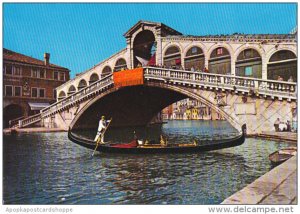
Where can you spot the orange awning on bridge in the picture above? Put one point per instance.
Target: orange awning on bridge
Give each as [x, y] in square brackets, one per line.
[129, 77]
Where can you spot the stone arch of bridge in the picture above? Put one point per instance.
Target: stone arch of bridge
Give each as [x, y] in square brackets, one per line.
[144, 47]
[156, 97]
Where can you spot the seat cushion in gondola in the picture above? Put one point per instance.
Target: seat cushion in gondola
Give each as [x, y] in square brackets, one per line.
[132, 144]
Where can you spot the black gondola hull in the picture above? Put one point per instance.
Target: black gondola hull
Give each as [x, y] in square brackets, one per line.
[201, 147]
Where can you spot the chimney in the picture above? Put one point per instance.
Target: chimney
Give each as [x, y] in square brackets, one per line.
[46, 58]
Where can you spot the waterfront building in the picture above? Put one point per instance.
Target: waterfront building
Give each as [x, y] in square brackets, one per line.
[189, 109]
[29, 84]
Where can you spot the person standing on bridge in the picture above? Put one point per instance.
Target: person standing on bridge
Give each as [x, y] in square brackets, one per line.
[101, 129]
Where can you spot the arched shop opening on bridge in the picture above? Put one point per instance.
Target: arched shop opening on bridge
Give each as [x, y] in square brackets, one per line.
[107, 70]
[172, 57]
[120, 65]
[11, 112]
[71, 90]
[82, 84]
[194, 59]
[220, 61]
[249, 64]
[144, 48]
[61, 95]
[93, 78]
[283, 66]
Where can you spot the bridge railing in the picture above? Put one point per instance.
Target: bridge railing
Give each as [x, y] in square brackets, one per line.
[30, 120]
[92, 88]
[271, 88]
[98, 85]
[15, 122]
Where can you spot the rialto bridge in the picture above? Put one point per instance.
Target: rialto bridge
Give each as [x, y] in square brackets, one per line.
[248, 79]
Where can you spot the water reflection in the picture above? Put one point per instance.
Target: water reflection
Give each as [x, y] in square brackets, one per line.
[46, 168]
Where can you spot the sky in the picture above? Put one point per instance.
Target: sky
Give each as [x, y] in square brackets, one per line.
[79, 36]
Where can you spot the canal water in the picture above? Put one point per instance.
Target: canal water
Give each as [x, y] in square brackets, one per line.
[47, 168]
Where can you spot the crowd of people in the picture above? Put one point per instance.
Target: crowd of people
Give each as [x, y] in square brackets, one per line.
[180, 67]
[281, 126]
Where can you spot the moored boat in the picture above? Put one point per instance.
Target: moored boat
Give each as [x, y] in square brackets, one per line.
[137, 146]
[282, 155]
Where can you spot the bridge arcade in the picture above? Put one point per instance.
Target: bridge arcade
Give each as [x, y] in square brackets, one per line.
[257, 56]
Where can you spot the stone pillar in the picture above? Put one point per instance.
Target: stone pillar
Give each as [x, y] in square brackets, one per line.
[264, 69]
[158, 47]
[232, 66]
[206, 60]
[128, 42]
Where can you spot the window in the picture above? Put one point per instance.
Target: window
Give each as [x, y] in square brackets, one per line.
[55, 75]
[8, 69]
[42, 74]
[62, 76]
[42, 92]
[8, 90]
[34, 72]
[219, 51]
[248, 71]
[17, 71]
[18, 91]
[34, 92]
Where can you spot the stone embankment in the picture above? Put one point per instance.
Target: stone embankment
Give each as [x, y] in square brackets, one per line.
[278, 186]
[32, 130]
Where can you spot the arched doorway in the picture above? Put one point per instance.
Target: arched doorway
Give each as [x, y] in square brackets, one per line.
[172, 57]
[283, 64]
[194, 58]
[106, 71]
[11, 112]
[220, 61]
[120, 65]
[144, 48]
[249, 64]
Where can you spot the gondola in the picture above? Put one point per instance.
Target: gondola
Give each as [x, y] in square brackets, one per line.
[282, 155]
[136, 147]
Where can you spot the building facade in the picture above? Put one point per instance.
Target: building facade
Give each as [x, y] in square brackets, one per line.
[189, 109]
[28, 84]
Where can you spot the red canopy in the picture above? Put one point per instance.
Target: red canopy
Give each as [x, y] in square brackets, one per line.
[152, 60]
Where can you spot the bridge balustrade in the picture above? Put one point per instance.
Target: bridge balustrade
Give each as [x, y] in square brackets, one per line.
[270, 88]
[70, 100]
[30, 120]
[15, 122]
[94, 87]
[273, 88]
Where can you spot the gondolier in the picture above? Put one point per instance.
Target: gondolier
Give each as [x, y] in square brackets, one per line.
[101, 128]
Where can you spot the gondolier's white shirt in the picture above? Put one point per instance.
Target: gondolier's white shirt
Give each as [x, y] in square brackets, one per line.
[102, 125]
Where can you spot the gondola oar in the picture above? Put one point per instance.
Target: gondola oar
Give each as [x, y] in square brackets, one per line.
[99, 138]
